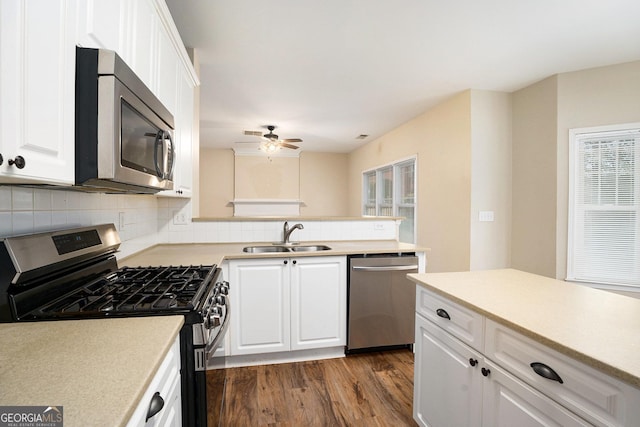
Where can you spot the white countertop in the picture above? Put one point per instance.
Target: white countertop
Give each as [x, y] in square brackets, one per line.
[215, 253]
[598, 328]
[97, 370]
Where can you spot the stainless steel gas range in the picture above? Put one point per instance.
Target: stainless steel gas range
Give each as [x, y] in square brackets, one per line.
[73, 274]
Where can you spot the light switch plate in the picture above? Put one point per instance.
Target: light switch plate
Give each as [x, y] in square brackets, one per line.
[485, 216]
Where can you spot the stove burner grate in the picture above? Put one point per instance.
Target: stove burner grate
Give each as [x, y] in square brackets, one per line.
[137, 289]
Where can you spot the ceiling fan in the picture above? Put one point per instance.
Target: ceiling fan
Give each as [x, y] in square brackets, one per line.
[271, 142]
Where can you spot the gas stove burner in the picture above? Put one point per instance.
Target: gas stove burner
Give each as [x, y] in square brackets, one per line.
[136, 290]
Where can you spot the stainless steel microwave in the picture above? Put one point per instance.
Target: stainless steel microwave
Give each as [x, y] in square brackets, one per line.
[123, 133]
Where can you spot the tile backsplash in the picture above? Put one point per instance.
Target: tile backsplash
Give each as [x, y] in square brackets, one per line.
[146, 220]
[25, 210]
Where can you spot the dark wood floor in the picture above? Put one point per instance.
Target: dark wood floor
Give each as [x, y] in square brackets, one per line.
[370, 389]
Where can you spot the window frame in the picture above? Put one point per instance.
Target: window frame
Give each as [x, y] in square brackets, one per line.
[396, 187]
[578, 136]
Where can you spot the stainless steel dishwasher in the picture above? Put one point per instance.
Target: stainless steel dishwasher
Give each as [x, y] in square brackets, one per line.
[381, 304]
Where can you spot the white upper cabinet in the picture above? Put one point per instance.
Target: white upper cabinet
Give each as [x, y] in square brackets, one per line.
[184, 143]
[37, 80]
[38, 40]
[100, 25]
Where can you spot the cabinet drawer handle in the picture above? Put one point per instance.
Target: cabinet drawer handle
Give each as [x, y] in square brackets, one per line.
[546, 372]
[443, 313]
[18, 161]
[155, 406]
[485, 372]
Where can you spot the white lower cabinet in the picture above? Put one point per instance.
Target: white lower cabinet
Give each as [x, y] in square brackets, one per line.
[447, 388]
[318, 302]
[261, 309]
[509, 402]
[495, 384]
[283, 304]
[164, 392]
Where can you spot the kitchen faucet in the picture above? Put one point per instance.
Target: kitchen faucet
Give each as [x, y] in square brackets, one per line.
[288, 231]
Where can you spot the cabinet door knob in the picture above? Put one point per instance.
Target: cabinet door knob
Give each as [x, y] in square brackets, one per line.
[546, 372]
[294, 261]
[485, 372]
[286, 262]
[443, 313]
[1, 159]
[473, 362]
[18, 161]
[155, 406]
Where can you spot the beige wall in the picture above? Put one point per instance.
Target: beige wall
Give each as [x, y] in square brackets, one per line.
[323, 184]
[262, 177]
[594, 97]
[318, 179]
[543, 113]
[534, 178]
[216, 182]
[441, 139]
[490, 241]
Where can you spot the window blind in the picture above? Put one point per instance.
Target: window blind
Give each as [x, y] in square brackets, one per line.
[604, 244]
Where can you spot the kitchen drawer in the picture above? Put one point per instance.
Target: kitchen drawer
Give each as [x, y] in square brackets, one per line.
[459, 321]
[599, 398]
[166, 381]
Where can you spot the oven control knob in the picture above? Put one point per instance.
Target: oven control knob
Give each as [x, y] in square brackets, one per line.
[224, 289]
[221, 300]
[213, 318]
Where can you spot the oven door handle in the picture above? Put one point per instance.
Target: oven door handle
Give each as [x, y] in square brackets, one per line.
[213, 345]
[385, 267]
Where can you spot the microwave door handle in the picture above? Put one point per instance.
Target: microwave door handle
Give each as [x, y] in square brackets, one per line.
[171, 154]
[158, 142]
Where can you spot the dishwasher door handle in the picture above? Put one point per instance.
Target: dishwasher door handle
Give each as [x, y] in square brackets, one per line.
[385, 267]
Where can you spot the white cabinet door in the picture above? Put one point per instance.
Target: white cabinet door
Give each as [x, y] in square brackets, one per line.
[260, 315]
[142, 34]
[447, 379]
[37, 80]
[169, 72]
[183, 138]
[183, 176]
[100, 25]
[318, 302]
[509, 402]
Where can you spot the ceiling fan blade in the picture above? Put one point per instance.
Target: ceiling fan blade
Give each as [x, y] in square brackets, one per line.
[291, 140]
[285, 145]
[253, 132]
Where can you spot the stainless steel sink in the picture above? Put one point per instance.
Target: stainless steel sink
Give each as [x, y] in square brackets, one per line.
[264, 249]
[312, 248]
[280, 249]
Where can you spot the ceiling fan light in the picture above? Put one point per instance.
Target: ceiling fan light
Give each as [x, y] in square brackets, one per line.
[270, 146]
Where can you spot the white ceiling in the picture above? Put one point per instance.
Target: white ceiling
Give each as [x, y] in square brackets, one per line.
[327, 71]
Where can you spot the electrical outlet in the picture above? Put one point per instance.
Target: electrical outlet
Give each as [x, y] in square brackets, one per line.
[179, 218]
[378, 226]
